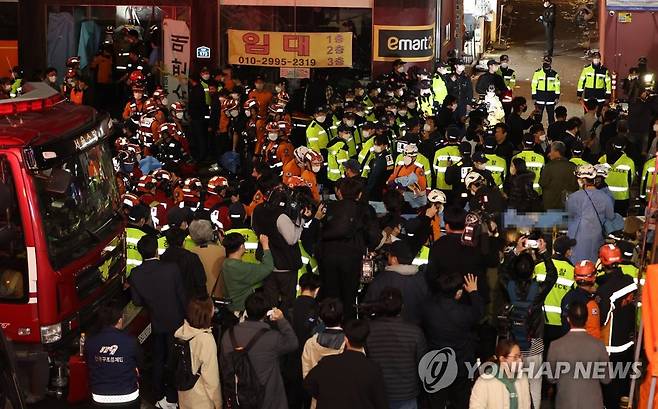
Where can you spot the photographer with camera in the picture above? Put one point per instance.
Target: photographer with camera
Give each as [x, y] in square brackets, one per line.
[522, 318]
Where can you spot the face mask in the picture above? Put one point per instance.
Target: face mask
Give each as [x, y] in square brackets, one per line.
[407, 160]
[426, 127]
[315, 168]
[138, 96]
[459, 69]
[234, 113]
[402, 113]
[359, 92]
[247, 113]
[425, 92]
[480, 166]
[205, 77]
[277, 89]
[596, 61]
[365, 133]
[350, 99]
[349, 123]
[378, 149]
[411, 105]
[321, 118]
[504, 65]
[542, 138]
[179, 115]
[164, 101]
[272, 136]
[52, 78]
[259, 86]
[400, 69]
[394, 111]
[400, 93]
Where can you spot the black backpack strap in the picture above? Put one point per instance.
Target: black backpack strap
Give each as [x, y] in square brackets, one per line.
[256, 337]
[250, 344]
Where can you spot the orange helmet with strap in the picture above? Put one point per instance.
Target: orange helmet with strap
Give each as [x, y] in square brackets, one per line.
[178, 106]
[145, 184]
[283, 97]
[162, 174]
[585, 272]
[216, 183]
[609, 254]
[272, 127]
[284, 127]
[169, 128]
[277, 108]
[315, 159]
[137, 76]
[150, 106]
[192, 186]
[250, 103]
[130, 200]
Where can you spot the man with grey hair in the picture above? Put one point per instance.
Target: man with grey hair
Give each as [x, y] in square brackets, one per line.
[557, 178]
[211, 253]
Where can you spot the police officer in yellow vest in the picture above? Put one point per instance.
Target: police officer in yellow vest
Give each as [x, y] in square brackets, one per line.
[367, 148]
[552, 305]
[250, 243]
[318, 132]
[595, 82]
[445, 157]
[136, 228]
[576, 153]
[508, 74]
[495, 164]
[621, 174]
[426, 102]
[338, 152]
[533, 161]
[439, 88]
[647, 177]
[545, 87]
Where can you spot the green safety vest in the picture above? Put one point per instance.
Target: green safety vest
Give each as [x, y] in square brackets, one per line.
[544, 85]
[535, 162]
[565, 281]
[15, 87]
[188, 244]
[647, 177]
[498, 168]
[309, 263]
[591, 80]
[421, 161]
[443, 158]
[250, 244]
[426, 104]
[337, 155]
[422, 257]
[206, 90]
[579, 161]
[316, 136]
[439, 89]
[133, 258]
[620, 176]
[365, 156]
[509, 77]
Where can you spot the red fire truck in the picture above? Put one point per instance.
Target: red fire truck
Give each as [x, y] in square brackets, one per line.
[61, 235]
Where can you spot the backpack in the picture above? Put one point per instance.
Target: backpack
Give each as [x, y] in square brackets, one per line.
[242, 388]
[181, 365]
[519, 315]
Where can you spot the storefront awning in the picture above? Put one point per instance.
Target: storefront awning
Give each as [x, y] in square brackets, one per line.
[300, 3]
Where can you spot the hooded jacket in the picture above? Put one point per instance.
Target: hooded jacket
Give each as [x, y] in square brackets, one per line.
[206, 393]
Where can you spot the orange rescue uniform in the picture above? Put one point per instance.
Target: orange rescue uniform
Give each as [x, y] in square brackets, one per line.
[310, 178]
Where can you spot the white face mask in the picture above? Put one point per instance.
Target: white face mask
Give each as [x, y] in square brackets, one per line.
[179, 115]
[425, 92]
[426, 127]
[320, 118]
[378, 149]
[234, 113]
[316, 168]
[205, 77]
[400, 69]
[411, 105]
[400, 93]
[247, 113]
[504, 65]
[349, 99]
[52, 78]
[272, 136]
[542, 138]
[349, 123]
[138, 96]
[408, 160]
[596, 61]
[480, 166]
[365, 133]
[277, 89]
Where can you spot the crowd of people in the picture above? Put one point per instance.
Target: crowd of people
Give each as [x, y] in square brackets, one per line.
[307, 247]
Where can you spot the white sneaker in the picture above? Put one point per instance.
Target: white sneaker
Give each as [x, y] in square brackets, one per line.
[164, 404]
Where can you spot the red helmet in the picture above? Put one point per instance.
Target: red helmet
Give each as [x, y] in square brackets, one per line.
[161, 174]
[146, 183]
[284, 127]
[169, 128]
[272, 127]
[250, 103]
[277, 108]
[150, 106]
[126, 157]
[296, 181]
[192, 186]
[137, 76]
[283, 97]
[134, 148]
[130, 200]
[73, 62]
[121, 143]
[158, 92]
[585, 272]
[229, 104]
[609, 254]
[314, 158]
[217, 182]
[178, 106]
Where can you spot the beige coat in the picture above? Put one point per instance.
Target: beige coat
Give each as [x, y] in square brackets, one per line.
[490, 393]
[312, 354]
[206, 393]
[212, 257]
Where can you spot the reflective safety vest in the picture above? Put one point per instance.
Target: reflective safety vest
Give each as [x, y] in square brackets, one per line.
[206, 90]
[426, 104]
[498, 168]
[535, 162]
[133, 258]
[647, 177]
[439, 89]
[421, 161]
[594, 82]
[337, 155]
[579, 161]
[509, 76]
[365, 156]
[250, 244]
[309, 263]
[565, 281]
[188, 244]
[620, 176]
[422, 257]
[317, 137]
[631, 270]
[545, 87]
[443, 158]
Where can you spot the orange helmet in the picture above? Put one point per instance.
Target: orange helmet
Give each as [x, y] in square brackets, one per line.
[283, 97]
[314, 158]
[121, 143]
[250, 103]
[134, 149]
[229, 104]
[284, 127]
[169, 128]
[130, 200]
[585, 272]
[296, 181]
[217, 182]
[137, 76]
[277, 108]
[146, 183]
[150, 106]
[272, 127]
[162, 174]
[192, 186]
[178, 106]
[609, 254]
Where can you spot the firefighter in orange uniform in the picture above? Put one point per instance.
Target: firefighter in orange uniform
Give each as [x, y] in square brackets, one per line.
[135, 107]
[584, 274]
[278, 151]
[409, 177]
[260, 94]
[312, 165]
[295, 166]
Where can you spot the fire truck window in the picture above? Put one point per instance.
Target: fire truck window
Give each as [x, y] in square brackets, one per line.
[77, 210]
[13, 254]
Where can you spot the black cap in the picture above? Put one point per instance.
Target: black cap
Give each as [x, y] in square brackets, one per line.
[529, 140]
[353, 165]
[177, 215]
[349, 115]
[596, 54]
[344, 128]
[489, 143]
[400, 249]
[562, 244]
[368, 125]
[459, 61]
[398, 62]
[321, 109]
[465, 148]
[504, 57]
[441, 64]
[453, 133]
[492, 62]
[577, 148]
[479, 157]
[138, 212]
[618, 143]
[413, 122]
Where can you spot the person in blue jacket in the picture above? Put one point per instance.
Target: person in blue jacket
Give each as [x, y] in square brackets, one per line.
[112, 357]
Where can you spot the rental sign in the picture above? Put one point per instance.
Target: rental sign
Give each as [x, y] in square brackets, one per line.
[408, 43]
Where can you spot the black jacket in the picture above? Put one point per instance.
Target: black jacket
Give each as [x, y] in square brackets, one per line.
[381, 168]
[506, 150]
[548, 16]
[447, 254]
[488, 79]
[192, 272]
[158, 286]
[520, 192]
[615, 297]
[398, 356]
[461, 87]
[196, 107]
[412, 284]
[517, 126]
[349, 228]
[348, 380]
[286, 257]
[112, 358]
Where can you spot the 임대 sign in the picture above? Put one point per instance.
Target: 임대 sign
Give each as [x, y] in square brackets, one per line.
[284, 49]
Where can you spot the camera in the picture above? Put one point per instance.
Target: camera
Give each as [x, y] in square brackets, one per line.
[223, 317]
[532, 240]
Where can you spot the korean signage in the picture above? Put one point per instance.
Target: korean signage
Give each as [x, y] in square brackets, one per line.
[176, 58]
[295, 50]
[639, 5]
[409, 43]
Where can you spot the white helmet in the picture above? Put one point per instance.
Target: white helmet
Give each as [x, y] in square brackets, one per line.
[300, 153]
[411, 149]
[472, 177]
[602, 169]
[436, 196]
[585, 172]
